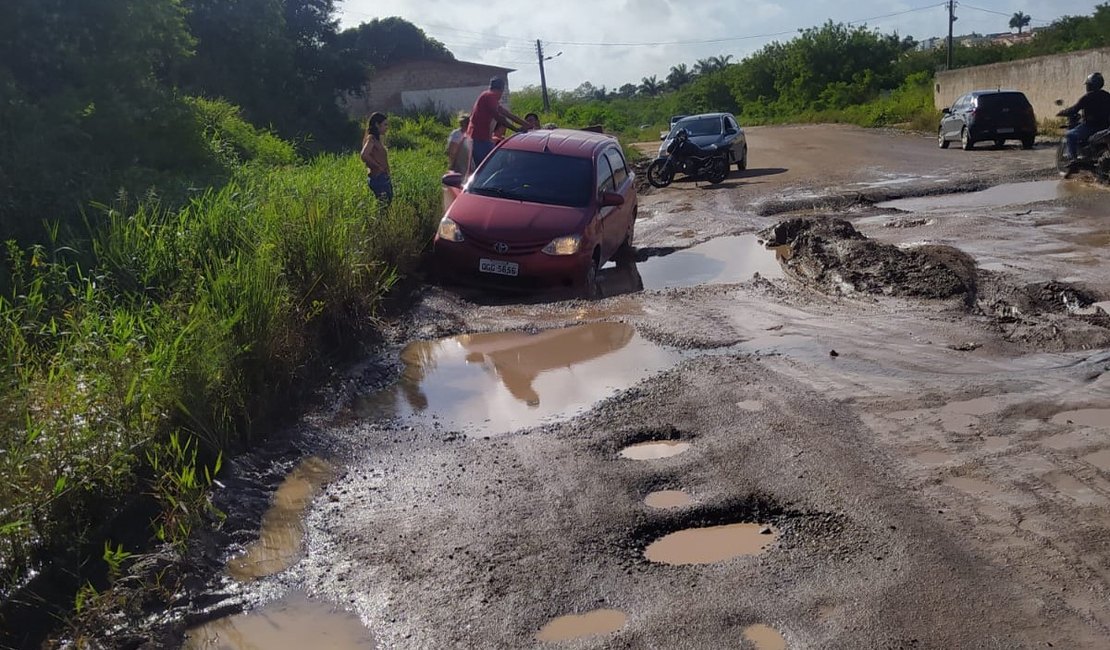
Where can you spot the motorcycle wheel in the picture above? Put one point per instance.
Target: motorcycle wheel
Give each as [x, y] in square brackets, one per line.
[1062, 156]
[1102, 168]
[660, 174]
[718, 170]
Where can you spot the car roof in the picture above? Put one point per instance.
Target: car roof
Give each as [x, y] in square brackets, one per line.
[995, 91]
[699, 115]
[565, 142]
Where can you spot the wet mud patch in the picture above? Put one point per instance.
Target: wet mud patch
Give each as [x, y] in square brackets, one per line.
[1050, 316]
[612, 445]
[711, 544]
[832, 255]
[582, 626]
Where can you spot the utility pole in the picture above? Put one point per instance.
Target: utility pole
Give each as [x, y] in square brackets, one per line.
[543, 78]
[951, 19]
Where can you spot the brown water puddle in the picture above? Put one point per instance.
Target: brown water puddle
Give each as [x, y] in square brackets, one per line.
[508, 380]
[750, 405]
[654, 450]
[1100, 459]
[1084, 417]
[710, 544]
[718, 261]
[997, 196]
[580, 626]
[667, 499]
[974, 486]
[295, 622]
[933, 457]
[279, 541]
[764, 637]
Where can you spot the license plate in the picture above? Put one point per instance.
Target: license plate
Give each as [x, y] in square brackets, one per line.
[1005, 129]
[499, 267]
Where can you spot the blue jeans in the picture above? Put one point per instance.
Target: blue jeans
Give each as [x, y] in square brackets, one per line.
[382, 187]
[479, 150]
[1078, 136]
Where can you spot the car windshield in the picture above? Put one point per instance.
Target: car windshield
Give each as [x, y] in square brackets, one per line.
[535, 177]
[1003, 100]
[699, 126]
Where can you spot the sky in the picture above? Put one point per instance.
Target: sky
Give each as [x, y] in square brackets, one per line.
[613, 42]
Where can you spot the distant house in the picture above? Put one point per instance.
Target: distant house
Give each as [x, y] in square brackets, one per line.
[445, 86]
[973, 40]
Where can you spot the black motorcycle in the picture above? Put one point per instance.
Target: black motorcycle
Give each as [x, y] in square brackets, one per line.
[710, 163]
[1094, 155]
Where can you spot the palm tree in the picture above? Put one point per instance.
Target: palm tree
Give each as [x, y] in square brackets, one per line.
[720, 62]
[650, 86]
[679, 76]
[703, 66]
[1018, 21]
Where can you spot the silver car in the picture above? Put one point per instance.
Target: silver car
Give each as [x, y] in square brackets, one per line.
[707, 129]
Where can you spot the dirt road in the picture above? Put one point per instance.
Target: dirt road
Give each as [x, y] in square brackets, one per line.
[891, 431]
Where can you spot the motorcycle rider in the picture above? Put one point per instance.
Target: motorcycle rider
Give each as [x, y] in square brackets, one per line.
[1095, 108]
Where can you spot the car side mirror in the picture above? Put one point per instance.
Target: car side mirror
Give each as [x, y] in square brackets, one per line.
[730, 131]
[452, 179]
[611, 198]
[946, 111]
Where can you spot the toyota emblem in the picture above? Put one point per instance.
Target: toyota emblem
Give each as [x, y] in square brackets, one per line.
[501, 247]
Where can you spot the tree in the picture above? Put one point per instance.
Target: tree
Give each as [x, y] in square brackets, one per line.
[1019, 21]
[679, 76]
[626, 91]
[720, 62]
[650, 86]
[703, 66]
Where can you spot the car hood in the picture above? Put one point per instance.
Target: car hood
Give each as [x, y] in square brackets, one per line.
[700, 140]
[511, 220]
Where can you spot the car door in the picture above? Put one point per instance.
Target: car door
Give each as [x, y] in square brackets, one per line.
[608, 216]
[737, 135]
[949, 118]
[620, 222]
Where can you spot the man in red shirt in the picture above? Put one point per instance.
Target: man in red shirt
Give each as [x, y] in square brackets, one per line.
[487, 114]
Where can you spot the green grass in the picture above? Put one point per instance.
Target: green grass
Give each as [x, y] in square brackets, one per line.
[165, 326]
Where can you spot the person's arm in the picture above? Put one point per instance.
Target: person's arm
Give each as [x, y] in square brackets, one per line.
[508, 119]
[453, 145]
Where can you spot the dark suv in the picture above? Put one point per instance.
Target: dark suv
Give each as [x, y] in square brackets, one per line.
[992, 115]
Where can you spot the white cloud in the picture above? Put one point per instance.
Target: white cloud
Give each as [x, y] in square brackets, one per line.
[500, 32]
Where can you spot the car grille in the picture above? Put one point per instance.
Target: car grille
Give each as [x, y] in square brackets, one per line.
[514, 247]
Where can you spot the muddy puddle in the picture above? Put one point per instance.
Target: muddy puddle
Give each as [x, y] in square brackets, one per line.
[654, 450]
[764, 637]
[718, 261]
[997, 196]
[663, 499]
[711, 544]
[294, 622]
[491, 383]
[581, 626]
[1084, 417]
[279, 541]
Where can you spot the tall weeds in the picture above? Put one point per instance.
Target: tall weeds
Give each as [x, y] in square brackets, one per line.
[164, 328]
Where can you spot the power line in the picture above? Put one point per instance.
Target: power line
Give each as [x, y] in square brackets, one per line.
[1003, 13]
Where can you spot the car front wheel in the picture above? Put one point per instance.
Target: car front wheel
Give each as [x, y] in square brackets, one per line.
[942, 142]
[591, 290]
[742, 164]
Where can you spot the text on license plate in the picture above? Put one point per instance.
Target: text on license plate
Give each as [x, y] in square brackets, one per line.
[1005, 129]
[499, 267]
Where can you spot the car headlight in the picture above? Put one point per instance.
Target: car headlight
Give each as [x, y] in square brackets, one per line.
[449, 230]
[567, 245]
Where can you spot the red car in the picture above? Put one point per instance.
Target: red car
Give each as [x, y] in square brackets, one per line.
[545, 210]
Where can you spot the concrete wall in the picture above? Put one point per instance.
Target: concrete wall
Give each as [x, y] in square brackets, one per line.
[1043, 79]
[452, 84]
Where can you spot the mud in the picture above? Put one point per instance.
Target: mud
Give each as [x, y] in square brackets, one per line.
[581, 626]
[764, 637]
[710, 545]
[663, 499]
[655, 450]
[719, 261]
[293, 623]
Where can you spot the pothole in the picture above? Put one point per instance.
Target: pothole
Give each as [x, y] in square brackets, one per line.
[655, 450]
[997, 196]
[580, 626]
[764, 637]
[718, 261]
[291, 623]
[750, 405]
[510, 380]
[711, 544]
[282, 530]
[1084, 417]
[664, 499]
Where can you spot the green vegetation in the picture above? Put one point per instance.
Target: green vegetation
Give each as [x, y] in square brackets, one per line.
[831, 73]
